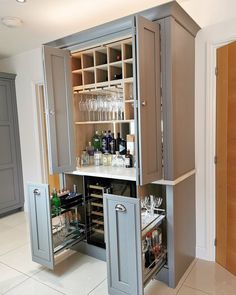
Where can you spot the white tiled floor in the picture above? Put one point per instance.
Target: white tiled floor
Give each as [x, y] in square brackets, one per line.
[83, 275]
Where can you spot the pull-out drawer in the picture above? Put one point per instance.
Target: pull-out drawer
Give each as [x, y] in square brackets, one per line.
[131, 264]
[50, 235]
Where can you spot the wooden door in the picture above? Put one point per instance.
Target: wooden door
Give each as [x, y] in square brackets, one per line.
[11, 181]
[149, 101]
[59, 114]
[226, 158]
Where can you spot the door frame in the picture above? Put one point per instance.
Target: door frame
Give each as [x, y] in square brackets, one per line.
[38, 89]
[210, 143]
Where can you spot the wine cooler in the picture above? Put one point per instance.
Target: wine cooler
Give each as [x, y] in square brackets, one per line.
[95, 189]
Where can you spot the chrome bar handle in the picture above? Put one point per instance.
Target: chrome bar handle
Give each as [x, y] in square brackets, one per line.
[120, 208]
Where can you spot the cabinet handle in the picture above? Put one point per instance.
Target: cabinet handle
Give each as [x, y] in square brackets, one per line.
[36, 192]
[144, 103]
[120, 208]
[51, 112]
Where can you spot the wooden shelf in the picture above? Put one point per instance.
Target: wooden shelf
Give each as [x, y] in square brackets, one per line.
[104, 122]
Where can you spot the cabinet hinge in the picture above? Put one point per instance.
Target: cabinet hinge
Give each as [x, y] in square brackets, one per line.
[215, 160]
[216, 71]
[215, 242]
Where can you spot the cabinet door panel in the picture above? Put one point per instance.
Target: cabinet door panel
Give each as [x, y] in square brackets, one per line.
[149, 100]
[123, 244]
[40, 224]
[59, 115]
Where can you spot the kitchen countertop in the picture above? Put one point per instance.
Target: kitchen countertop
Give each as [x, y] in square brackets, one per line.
[107, 172]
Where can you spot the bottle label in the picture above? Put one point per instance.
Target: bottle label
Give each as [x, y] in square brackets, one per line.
[127, 162]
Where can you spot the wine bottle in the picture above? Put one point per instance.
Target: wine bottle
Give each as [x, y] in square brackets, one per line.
[128, 160]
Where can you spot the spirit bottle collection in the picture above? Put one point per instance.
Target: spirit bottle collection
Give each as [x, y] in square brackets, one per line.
[104, 149]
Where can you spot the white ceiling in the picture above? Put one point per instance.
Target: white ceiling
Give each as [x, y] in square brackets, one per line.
[47, 20]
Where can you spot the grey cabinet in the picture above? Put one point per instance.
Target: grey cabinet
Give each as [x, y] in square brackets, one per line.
[126, 232]
[147, 117]
[40, 224]
[51, 233]
[123, 240]
[11, 180]
[149, 100]
[59, 115]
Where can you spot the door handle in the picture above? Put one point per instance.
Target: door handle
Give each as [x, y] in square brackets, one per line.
[143, 103]
[36, 192]
[120, 208]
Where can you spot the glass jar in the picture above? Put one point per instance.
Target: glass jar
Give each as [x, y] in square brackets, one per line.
[97, 158]
[84, 158]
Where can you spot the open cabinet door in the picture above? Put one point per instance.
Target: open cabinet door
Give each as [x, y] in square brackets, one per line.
[122, 219]
[148, 74]
[40, 224]
[59, 114]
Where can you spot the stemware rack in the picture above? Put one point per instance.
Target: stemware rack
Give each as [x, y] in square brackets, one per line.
[104, 70]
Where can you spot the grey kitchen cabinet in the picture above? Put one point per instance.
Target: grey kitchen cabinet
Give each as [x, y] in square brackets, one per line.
[11, 179]
[51, 233]
[147, 118]
[125, 239]
[152, 52]
[60, 131]
[170, 151]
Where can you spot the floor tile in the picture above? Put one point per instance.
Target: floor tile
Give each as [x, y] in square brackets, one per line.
[190, 291]
[20, 259]
[101, 289]
[155, 287]
[12, 239]
[211, 278]
[9, 278]
[14, 219]
[32, 287]
[78, 274]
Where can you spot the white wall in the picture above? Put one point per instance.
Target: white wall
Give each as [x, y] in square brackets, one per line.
[28, 67]
[208, 39]
[29, 71]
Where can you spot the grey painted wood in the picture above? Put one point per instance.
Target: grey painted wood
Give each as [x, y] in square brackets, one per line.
[123, 245]
[59, 115]
[11, 180]
[40, 225]
[149, 100]
[92, 35]
[178, 99]
[181, 228]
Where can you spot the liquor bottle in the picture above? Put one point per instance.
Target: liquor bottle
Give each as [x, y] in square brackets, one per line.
[117, 76]
[90, 149]
[84, 158]
[109, 140]
[151, 255]
[113, 145]
[128, 160]
[122, 147]
[118, 140]
[104, 141]
[96, 141]
[55, 203]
